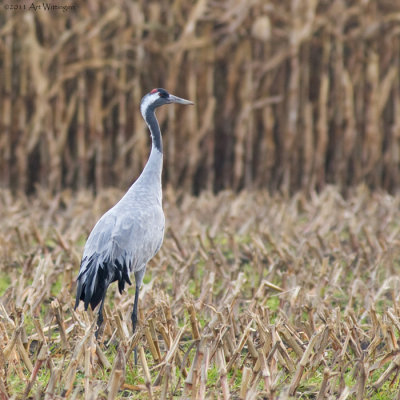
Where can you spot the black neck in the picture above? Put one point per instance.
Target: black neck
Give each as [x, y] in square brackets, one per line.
[152, 122]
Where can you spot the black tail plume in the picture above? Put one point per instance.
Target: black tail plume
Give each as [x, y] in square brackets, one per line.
[96, 274]
[92, 282]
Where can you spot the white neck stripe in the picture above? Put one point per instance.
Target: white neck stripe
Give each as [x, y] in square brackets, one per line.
[147, 101]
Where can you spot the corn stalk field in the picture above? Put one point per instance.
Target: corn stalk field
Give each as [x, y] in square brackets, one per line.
[252, 296]
[290, 94]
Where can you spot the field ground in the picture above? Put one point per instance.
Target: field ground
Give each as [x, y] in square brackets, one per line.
[252, 296]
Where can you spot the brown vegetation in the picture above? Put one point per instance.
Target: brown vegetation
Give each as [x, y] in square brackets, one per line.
[289, 94]
[250, 297]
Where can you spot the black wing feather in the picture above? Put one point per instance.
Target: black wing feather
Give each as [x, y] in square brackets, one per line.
[97, 273]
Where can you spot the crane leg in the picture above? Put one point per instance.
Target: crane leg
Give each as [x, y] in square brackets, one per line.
[134, 317]
[100, 318]
[138, 281]
[135, 308]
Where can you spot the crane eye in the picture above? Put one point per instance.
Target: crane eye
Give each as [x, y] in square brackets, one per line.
[163, 93]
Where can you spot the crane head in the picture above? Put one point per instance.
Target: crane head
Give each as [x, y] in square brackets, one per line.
[158, 97]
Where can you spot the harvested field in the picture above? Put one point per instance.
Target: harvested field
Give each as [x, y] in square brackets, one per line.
[252, 296]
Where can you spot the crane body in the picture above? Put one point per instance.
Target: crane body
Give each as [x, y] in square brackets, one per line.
[128, 235]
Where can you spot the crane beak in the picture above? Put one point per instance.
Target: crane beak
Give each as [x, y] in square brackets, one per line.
[175, 99]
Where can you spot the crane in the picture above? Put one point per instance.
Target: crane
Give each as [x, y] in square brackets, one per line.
[128, 235]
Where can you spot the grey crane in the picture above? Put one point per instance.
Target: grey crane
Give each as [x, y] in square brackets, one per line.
[128, 235]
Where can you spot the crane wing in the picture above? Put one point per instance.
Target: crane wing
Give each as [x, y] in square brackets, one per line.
[120, 243]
